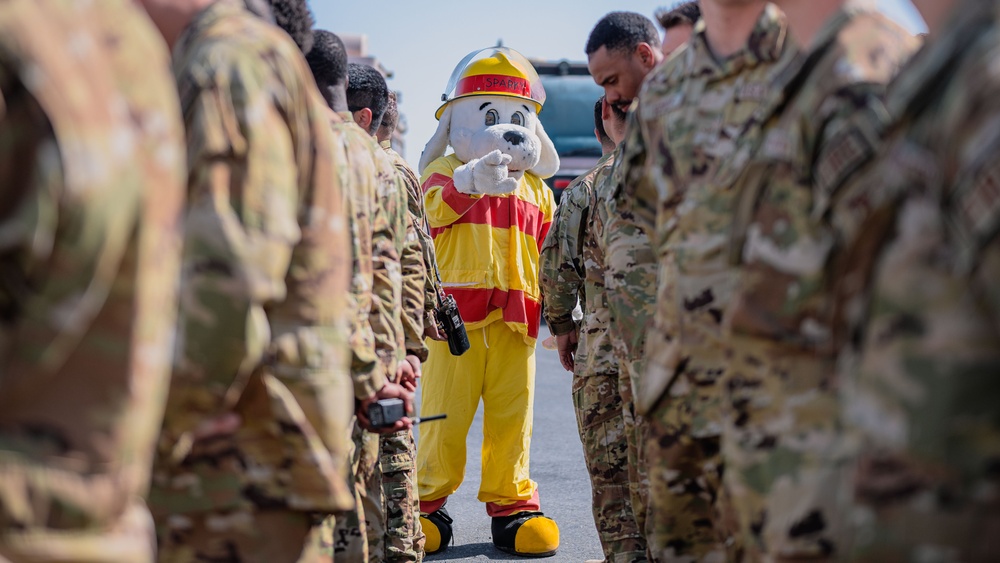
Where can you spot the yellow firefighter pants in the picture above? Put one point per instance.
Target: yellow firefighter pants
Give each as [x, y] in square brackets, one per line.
[500, 369]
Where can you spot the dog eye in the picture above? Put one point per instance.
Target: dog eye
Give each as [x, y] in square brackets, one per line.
[492, 117]
[517, 118]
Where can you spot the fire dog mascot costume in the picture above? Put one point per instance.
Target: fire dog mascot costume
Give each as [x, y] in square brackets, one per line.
[488, 211]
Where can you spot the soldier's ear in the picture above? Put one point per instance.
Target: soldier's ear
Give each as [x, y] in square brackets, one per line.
[646, 56]
[548, 161]
[435, 148]
[364, 118]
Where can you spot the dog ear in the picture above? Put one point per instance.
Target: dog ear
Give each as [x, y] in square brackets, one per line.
[548, 161]
[439, 141]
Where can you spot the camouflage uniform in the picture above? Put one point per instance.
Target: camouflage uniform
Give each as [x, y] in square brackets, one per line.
[597, 401]
[92, 182]
[398, 467]
[352, 537]
[407, 327]
[621, 249]
[782, 435]
[415, 201]
[358, 536]
[262, 325]
[698, 118]
[367, 372]
[560, 262]
[365, 211]
[417, 259]
[399, 244]
[404, 540]
[920, 375]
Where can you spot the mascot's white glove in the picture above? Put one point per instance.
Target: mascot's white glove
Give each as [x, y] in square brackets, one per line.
[485, 176]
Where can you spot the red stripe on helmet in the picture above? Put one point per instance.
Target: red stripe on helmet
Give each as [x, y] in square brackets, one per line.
[495, 83]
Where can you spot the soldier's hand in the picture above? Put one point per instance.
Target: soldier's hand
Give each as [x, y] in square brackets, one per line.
[414, 362]
[388, 391]
[431, 329]
[566, 344]
[406, 373]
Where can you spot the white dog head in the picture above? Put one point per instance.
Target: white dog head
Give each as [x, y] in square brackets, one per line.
[477, 125]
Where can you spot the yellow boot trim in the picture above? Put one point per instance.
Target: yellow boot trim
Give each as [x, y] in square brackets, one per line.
[537, 536]
[432, 543]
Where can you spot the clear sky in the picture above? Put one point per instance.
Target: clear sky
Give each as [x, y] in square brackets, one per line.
[422, 41]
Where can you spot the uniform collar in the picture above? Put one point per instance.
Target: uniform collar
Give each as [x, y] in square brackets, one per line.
[331, 115]
[765, 45]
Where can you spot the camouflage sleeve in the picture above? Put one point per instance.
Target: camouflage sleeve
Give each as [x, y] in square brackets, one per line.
[415, 198]
[598, 217]
[561, 273]
[90, 259]
[630, 171]
[388, 246]
[417, 290]
[414, 283]
[235, 258]
[431, 286]
[366, 372]
[262, 279]
[783, 233]
[852, 123]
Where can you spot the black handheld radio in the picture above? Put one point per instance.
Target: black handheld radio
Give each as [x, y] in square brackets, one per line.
[450, 321]
[384, 413]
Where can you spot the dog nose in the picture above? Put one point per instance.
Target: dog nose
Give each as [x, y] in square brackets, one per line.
[513, 137]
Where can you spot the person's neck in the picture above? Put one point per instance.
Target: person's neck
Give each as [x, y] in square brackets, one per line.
[185, 13]
[807, 17]
[728, 27]
[336, 98]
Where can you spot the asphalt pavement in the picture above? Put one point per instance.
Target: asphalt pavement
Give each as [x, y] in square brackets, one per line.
[556, 465]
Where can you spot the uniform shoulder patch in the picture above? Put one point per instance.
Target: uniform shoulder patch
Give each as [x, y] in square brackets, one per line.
[850, 147]
[846, 153]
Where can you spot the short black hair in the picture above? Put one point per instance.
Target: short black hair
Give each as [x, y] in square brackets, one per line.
[366, 88]
[327, 59]
[599, 121]
[622, 31]
[391, 116]
[294, 17]
[685, 13]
